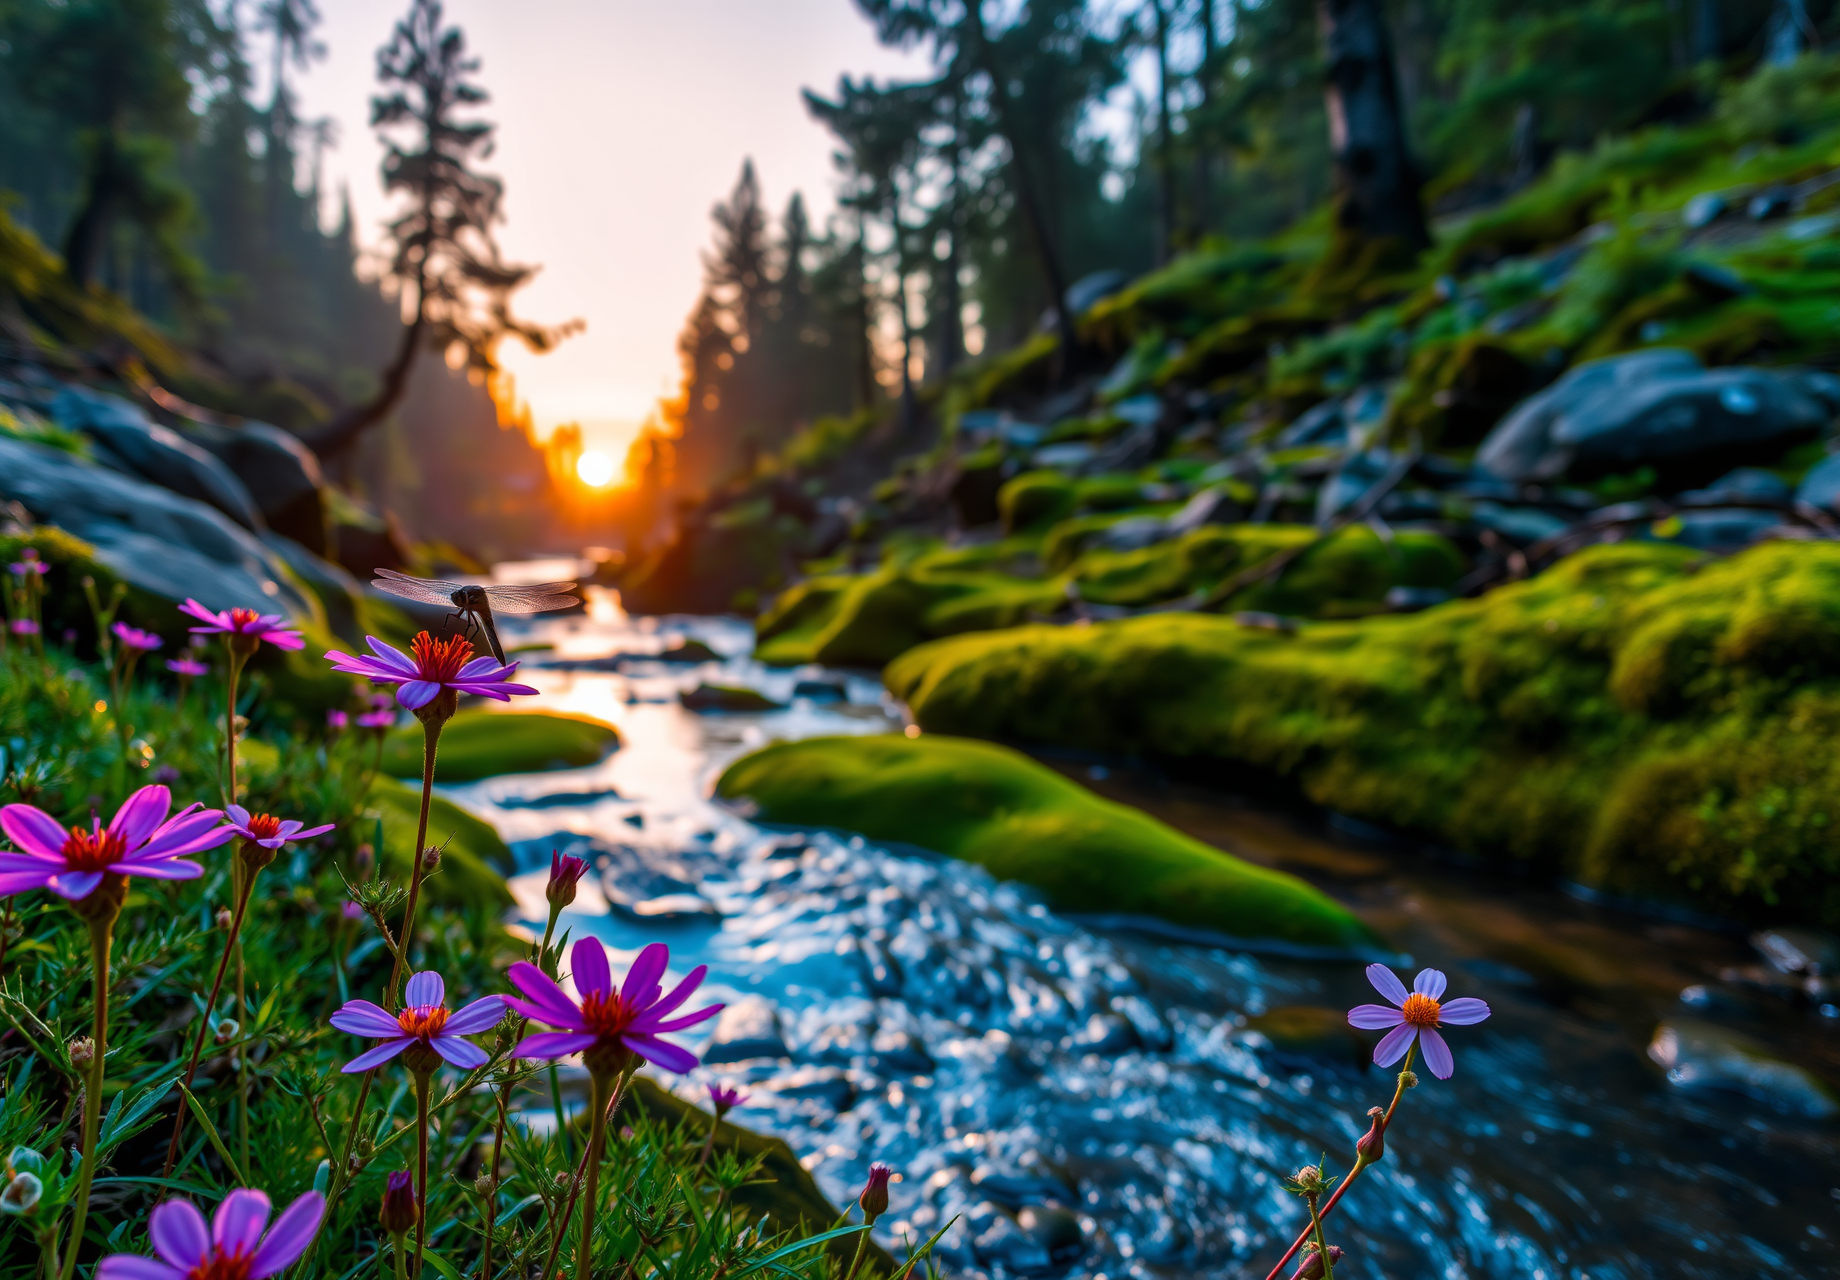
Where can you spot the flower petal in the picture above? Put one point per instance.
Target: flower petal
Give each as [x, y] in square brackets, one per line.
[160, 868]
[667, 1055]
[425, 987]
[378, 1056]
[237, 1225]
[362, 1018]
[310, 832]
[141, 815]
[1437, 1053]
[292, 1233]
[1393, 1044]
[478, 1016]
[128, 1266]
[547, 1001]
[553, 1044]
[1430, 982]
[25, 881]
[191, 832]
[390, 657]
[74, 886]
[1466, 1012]
[1374, 1017]
[588, 967]
[192, 608]
[285, 639]
[678, 1024]
[416, 694]
[484, 668]
[641, 985]
[33, 830]
[178, 1233]
[462, 1053]
[1386, 984]
[238, 814]
[679, 993]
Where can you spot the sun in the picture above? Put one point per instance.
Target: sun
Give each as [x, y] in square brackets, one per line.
[595, 469]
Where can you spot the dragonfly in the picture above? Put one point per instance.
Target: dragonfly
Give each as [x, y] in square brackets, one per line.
[475, 604]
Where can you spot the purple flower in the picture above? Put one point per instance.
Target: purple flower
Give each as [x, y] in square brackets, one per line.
[190, 668]
[234, 1246]
[352, 911]
[874, 1197]
[437, 665]
[376, 719]
[140, 841]
[266, 830]
[1416, 1016]
[245, 624]
[634, 1017]
[725, 1099]
[23, 627]
[565, 872]
[336, 719]
[29, 563]
[424, 1020]
[135, 638]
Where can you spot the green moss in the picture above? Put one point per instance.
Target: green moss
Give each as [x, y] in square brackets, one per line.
[1035, 500]
[478, 743]
[996, 807]
[471, 851]
[1636, 715]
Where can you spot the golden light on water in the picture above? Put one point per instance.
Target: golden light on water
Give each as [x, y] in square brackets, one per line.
[594, 469]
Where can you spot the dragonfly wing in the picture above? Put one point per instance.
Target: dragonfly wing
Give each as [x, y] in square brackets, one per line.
[538, 598]
[427, 590]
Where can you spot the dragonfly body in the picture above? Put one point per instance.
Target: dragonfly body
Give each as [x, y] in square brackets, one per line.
[475, 603]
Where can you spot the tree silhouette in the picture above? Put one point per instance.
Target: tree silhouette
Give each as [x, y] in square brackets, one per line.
[444, 257]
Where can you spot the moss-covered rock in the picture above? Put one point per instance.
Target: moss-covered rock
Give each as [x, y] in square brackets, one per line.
[478, 743]
[727, 697]
[473, 857]
[996, 807]
[1636, 716]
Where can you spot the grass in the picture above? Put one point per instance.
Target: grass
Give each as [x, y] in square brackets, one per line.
[473, 856]
[996, 807]
[1639, 717]
[478, 743]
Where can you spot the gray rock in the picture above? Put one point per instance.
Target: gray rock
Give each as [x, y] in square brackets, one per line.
[1705, 1056]
[1004, 1242]
[1799, 951]
[128, 442]
[1746, 484]
[1083, 293]
[339, 593]
[1014, 1190]
[901, 1053]
[1055, 1228]
[1519, 525]
[280, 473]
[827, 1085]
[1821, 486]
[151, 537]
[748, 1028]
[1351, 480]
[1106, 1033]
[1724, 530]
[1653, 408]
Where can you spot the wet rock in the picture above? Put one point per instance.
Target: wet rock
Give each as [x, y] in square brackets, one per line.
[338, 592]
[1705, 1056]
[1654, 408]
[901, 1053]
[1086, 292]
[747, 1029]
[1064, 457]
[828, 1085]
[1055, 1228]
[1746, 484]
[281, 474]
[1014, 1190]
[634, 820]
[822, 690]
[1311, 1032]
[841, 1044]
[1106, 1033]
[1351, 482]
[1727, 530]
[558, 799]
[1805, 952]
[689, 649]
[1821, 486]
[1143, 1017]
[1004, 1243]
[722, 697]
[128, 441]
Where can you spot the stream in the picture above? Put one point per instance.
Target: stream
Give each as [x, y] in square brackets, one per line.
[1091, 1102]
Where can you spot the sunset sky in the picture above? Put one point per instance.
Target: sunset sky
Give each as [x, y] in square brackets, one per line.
[620, 123]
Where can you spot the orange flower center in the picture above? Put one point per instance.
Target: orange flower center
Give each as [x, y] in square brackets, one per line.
[440, 660]
[264, 826]
[422, 1020]
[222, 1266]
[242, 618]
[93, 850]
[605, 1015]
[1421, 1011]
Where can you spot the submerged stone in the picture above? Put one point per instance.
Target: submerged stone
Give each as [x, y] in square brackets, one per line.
[1705, 1056]
[747, 1029]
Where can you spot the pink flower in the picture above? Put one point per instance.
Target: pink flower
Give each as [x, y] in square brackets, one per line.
[135, 638]
[376, 719]
[352, 911]
[187, 667]
[1416, 1016]
[437, 665]
[268, 831]
[424, 1020]
[565, 872]
[244, 623]
[23, 627]
[874, 1197]
[140, 841]
[634, 1017]
[725, 1099]
[233, 1249]
[336, 719]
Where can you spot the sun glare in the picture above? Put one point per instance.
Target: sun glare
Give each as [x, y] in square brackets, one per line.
[594, 468]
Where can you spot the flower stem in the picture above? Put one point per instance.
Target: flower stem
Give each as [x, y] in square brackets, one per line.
[421, 1165]
[398, 1251]
[204, 1023]
[101, 934]
[862, 1251]
[568, 1209]
[431, 737]
[597, 1134]
[498, 1143]
[1322, 1245]
[233, 667]
[1359, 1164]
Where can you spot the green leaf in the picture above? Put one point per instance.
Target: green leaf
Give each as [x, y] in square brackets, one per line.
[786, 1251]
[435, 1261]
[210, 1131]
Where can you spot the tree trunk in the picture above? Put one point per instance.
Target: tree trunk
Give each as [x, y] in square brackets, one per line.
[1166, 175]
[952, 322]
[865, 363]
[343, 431]
[89, 231]
[1376, 183]
[1201, 205]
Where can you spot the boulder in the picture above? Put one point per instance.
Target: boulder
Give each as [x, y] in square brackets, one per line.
[152, 537]
[1700, 1055]
[1821, 486]
[365, 543]
[280, 473]
[723, 697]
[1658, 409]
[128, 442]
[1744, 485]
[1083, 294]
[746, 1029]
[340, 594]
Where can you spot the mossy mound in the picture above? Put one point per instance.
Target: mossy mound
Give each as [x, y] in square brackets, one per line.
[472, 854]
[996, 807]
[1639, 717]
[727, 697]
[478, 743]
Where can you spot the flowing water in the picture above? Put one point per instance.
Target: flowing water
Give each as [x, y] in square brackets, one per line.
[1091, 1102]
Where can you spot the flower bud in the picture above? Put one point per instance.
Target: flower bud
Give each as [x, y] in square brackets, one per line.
[725, 1099]
[874, 1197]
[1371, 1149]
[227, 1030]
[22, 1194]
[1408, 1079]
[399, 1212]
[82, 1052]
[485, 1184]
[431, 860]
[1308, 1180]
[562, 1181]
[225, 919]
[1310, 1267]
[367, 1147]
[564, 874]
